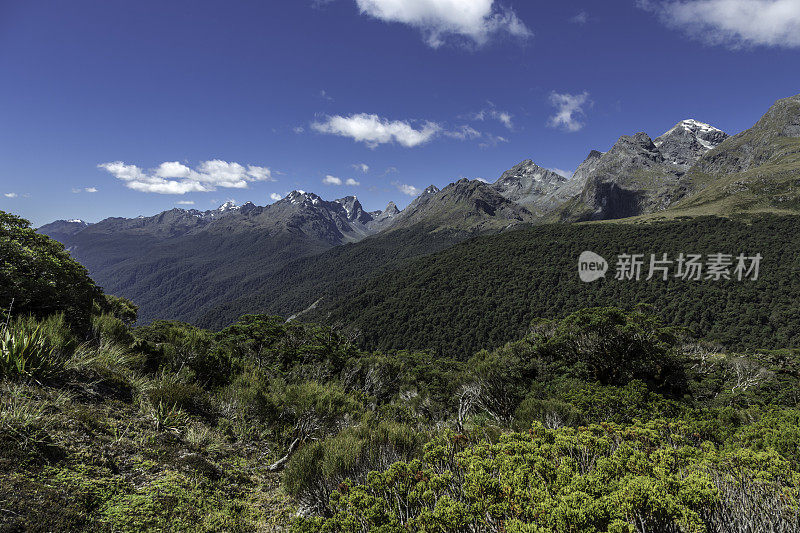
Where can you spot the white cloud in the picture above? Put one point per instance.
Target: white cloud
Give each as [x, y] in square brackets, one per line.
[352, 182]
[91, 189]
[325, 96]
[561, 172]
[10, 195]
[84, 189]
[331, 180]
[374, 130]
[172, 177]
[275, 197]
[581, 18]
[408, 189]
[363, 167]
[492, 140]
[185, 202]
[482, 180]
[504, 117]
[463, 133]
[733, 22]
[298, 129]
[438, 20]
[569, 107]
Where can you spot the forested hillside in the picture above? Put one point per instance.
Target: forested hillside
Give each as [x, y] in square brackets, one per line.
[484, 292]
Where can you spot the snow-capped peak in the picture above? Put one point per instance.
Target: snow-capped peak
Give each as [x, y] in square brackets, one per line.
[694, 127]
[298, 197]
[76, 221]
[227, 206]
[706, 135]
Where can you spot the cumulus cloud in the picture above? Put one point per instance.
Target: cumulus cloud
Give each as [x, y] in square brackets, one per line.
[373, 130]
[10, 195]
[408, 189]
[173, 177]
[475, 21]
[90, 189]
[331, 180]
[85, 189]
[363, 167]
[352, 182]
[275, 197]
[734, 23]
[185, 202]
[569, 109]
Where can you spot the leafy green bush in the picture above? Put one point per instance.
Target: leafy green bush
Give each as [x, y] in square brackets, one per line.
[119, 307]
[573, 402]
[40, 278]
[318, 469]
[170, 391]
[174, 346]
[653, 476]
[108, 328]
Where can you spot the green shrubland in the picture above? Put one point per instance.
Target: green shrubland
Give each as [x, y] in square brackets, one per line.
[602, 419]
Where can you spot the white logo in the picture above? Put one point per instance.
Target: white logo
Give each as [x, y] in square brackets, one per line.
[591, 267]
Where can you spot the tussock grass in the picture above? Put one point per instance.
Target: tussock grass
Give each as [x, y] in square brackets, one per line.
[22, 418]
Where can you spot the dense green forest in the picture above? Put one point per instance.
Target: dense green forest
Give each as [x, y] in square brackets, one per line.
[601, 419]
[484, 292]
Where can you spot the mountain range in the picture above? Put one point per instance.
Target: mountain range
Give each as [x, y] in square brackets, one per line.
[211, 266]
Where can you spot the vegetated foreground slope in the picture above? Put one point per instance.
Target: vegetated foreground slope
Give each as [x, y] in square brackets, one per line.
[483, 293]
[601, 420]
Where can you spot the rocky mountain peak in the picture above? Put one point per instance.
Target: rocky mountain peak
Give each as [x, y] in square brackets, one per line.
[354, 210]
[228, 206]
[431, 189]
[687, 141]
[303, 198]
[527, 183]
[390, 212]
[391, 209]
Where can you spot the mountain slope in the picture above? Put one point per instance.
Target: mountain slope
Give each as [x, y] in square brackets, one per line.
[483, 292]
[637, 175]
[529, 185]
[469, 206]
[178, 263]
[756, 170]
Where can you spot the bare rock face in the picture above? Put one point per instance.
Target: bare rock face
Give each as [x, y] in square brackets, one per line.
[466, 205]
[637, 175]
[354, 211]
[383, 219]
[528, 184]
[687, 141]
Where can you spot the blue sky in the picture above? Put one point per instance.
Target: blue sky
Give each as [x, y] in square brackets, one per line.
[118, 108]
